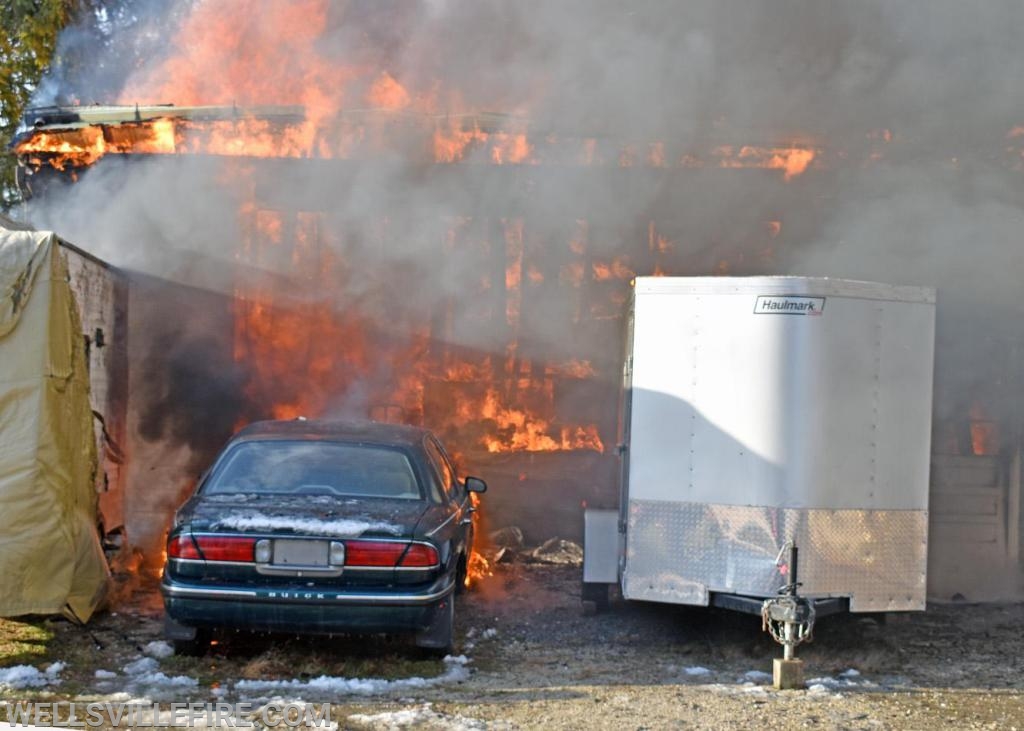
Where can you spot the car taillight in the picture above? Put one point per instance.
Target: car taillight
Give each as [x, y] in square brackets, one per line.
[212, 548]
[420, 555]
[226, 548]
[182, 546]
[387, 554]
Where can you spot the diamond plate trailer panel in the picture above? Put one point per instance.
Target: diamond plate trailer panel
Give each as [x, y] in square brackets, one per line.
[678, 552]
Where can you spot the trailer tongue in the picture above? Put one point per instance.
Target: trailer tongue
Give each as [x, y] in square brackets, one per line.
[763, 419]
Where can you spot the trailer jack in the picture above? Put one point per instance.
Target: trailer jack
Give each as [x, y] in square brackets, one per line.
[789, 619]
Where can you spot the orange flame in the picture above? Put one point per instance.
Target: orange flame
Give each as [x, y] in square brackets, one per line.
[984, 431]
[478, 567]
[450, 142]
[387, 93]
[616, 269]
[319, 128]
[304, 353]
[793, 161]
[86, 145]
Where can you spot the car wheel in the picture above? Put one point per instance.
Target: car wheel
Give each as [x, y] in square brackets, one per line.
[196, 647]
[460, 576]
[437, 639]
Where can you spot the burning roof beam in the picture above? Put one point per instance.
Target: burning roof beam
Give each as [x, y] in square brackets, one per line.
[70, 138]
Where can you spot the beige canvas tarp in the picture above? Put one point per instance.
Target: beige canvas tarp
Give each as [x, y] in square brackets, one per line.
[50, 556]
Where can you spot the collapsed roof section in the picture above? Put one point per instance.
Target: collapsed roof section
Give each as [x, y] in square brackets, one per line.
[62, 136]
[67, 140]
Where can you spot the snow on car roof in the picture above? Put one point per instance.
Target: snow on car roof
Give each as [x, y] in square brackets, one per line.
[349, 431]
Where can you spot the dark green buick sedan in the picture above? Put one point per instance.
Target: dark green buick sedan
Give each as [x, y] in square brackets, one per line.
[322, 528]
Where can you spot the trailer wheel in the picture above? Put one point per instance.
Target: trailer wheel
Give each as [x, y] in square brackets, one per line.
[595, 598]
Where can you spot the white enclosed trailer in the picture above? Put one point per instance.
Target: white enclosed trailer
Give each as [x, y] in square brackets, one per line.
[761, 413]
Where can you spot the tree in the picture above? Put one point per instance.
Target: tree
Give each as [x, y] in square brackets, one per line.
[104, 40]
[28, 37]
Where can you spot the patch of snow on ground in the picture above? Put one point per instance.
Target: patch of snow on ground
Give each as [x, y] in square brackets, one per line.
[55, 669]
[420, 717]
[757, 676]
[24, 676]
[845, 680]
[158, 649]
[119, 696]
[828, 686]
[143, 675]
[455, 672]
[151, 680]
[696, 670]
[104, 675]
[340, 528]
[140, 666]
[490, 633]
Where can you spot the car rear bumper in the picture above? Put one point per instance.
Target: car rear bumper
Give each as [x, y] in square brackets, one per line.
[301, 609]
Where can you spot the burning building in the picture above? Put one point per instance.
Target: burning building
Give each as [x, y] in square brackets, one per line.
[524, 380]
[378, 244]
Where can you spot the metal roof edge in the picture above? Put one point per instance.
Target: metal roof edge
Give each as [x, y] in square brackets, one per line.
[785, 285]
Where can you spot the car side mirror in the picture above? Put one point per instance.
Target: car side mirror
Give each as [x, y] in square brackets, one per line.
[475, 484]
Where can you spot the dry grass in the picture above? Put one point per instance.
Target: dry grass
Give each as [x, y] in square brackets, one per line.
[24, 642]
[261, 666]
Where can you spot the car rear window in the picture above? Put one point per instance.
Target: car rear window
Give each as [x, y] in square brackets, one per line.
[315, 468]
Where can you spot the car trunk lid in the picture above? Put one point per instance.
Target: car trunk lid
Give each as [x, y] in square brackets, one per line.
[311, 539]
[323, 517]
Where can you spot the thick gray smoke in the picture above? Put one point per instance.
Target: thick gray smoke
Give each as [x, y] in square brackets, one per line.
[93, 56]
[939, 76]
[910, 107]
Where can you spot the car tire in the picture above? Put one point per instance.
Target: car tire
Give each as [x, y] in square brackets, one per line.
[438, 639]
[196, 647]
[460, 576]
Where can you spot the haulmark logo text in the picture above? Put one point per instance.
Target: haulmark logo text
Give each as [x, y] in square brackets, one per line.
[789, 305]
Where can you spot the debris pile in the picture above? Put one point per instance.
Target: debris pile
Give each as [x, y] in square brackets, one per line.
[509, 546]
